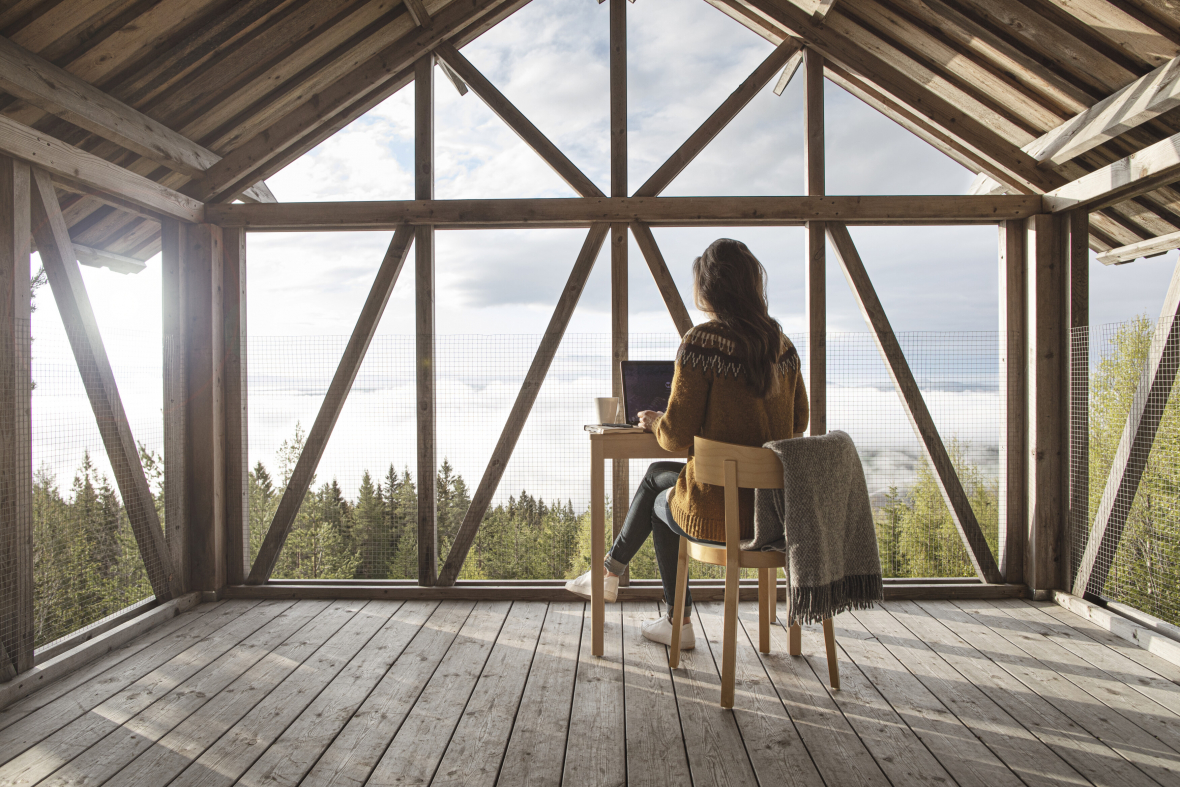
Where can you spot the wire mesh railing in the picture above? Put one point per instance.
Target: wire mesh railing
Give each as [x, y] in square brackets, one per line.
[1125, 532]
[359, 518]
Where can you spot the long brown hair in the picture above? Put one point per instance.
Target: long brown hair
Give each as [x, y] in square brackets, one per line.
[730, 282]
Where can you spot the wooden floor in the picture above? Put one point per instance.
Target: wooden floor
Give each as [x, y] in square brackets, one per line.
[462, 693]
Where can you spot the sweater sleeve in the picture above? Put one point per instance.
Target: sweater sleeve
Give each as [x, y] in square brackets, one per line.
[685, 416]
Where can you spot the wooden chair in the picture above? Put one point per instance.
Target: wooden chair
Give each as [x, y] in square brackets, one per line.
[739, 467]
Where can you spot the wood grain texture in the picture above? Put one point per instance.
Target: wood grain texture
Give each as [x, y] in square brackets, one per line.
[656, 211]
[907, 387]
[236, 407]
[333, 404]
[664, 281]
[1013, 369]
[719, 119]
[620, 312]
[1143, 171]
[517, 121]
[536, 748]
[522, 407]
[17, 625]
[73, 303]
[173, 241]
[655, 744]
[596, 750]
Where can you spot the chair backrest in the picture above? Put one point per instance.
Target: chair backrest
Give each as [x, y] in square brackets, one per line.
[757, 468]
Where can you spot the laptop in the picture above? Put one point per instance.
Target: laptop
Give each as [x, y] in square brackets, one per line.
[647, 385]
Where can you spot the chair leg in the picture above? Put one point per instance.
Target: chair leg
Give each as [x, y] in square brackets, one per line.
[729, 643]
[764, 613]
[678, 603]
[796, 639]
[773, 596]
[830, 644]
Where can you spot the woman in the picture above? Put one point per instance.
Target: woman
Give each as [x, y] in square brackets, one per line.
[737, 380]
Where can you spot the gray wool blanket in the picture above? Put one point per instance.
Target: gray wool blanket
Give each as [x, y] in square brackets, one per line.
[823, 521]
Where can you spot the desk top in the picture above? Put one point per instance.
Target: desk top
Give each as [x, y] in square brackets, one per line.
[625, 444]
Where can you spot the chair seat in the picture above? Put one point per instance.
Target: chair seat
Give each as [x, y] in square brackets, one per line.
[715, 555]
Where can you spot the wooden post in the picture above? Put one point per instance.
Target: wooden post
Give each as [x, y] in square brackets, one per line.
[816, 244]
[204, 328]
[424, 322]
[237, 467]
[1077, 229]
[1014, 399]
[73, 304]
[1048, 403]
[16, 445]
[621, 497]
[173, 237]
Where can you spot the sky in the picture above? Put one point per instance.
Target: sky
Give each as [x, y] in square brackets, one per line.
[550, 59]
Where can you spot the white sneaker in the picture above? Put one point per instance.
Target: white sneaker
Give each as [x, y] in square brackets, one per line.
[661, 631]
[581, 587]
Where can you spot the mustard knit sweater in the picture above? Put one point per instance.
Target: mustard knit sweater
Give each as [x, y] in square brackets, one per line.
[711, 397]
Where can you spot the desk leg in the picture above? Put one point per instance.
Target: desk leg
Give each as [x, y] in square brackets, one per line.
[597, 556]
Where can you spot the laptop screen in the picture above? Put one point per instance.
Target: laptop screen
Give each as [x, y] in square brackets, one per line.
[646, 386]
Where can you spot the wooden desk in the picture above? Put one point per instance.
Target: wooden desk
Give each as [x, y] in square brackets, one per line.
[611, 445]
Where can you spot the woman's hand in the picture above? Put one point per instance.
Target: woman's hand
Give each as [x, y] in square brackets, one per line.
[647, 419]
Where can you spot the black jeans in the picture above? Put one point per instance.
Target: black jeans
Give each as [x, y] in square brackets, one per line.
[649, 514]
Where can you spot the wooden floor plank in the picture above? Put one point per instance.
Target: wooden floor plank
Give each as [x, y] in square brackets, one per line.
[473, 757]
[43, 696]
[296, 751]
[108, 756]
[1035, 763]
[834, 746]
[1138, 677]
[51, 716]
[1041, 667]
[776, 750]
[596, 748]
[67, 742]
[1130, 650]
[357, 749]
[189, 740]
[899, 753]
[536, 748]
[966, 759]
[990, 662]
[716, 752]
[415, 752]
[655, 743]
[225, 761]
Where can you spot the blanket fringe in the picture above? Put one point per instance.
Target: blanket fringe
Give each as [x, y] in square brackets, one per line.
[814, 604]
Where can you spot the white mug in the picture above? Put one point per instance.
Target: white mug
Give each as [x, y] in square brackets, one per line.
[608, 409]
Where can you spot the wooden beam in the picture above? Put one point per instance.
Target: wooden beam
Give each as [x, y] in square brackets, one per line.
[424, 292]
[236, 417]
[173, 241]
[656, 211]
[321, 430]
[720, 118]
[252, 156]
[815, 243]
[100, 258]
[1048, 404]
[523, 405]
[16, 443]
[516, 121]
[659, 271]
[788, 72]
[1145, 248]
[843, 41]
[1075, 226]
[1146, 170]
[456, 80]
[1134, 448]
[69, 291]
[201, 283]
[1014, 399]
[619, 291]
[57, 91]
[67, 161]
[418, 12]
[907, 387]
